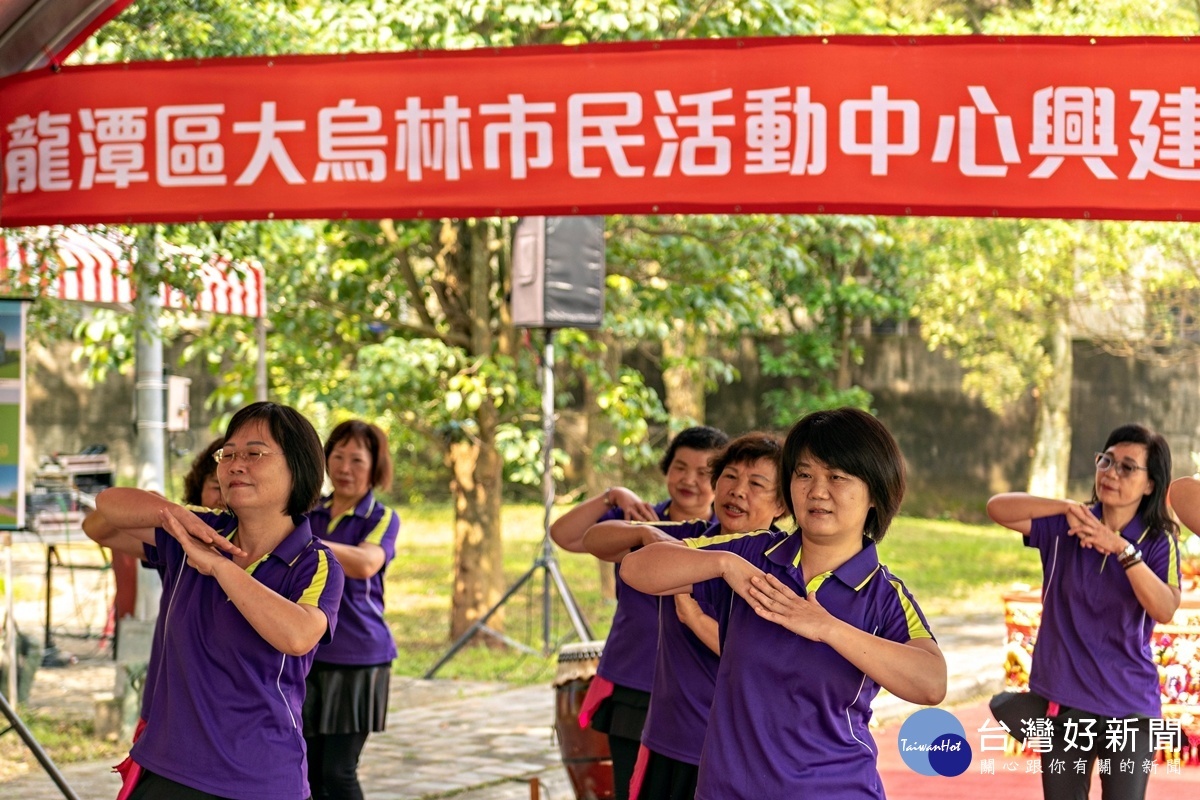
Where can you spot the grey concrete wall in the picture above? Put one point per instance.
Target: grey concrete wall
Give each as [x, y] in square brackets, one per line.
[959, 453]
[64, 415]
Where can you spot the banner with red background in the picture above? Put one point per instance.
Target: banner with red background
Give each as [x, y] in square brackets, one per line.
[1028, 126]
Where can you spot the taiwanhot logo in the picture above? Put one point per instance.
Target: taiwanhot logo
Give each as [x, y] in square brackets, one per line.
[933, 742]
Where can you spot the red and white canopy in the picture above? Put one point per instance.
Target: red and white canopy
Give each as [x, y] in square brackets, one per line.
[96, 269]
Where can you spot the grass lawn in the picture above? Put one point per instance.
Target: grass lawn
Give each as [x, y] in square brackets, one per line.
[66, 740]
[951, 567]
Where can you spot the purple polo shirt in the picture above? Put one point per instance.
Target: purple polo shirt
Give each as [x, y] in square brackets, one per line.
[363, 636]
[629, 650]
[790, 716]
[685, 673]
[156, 639]
[1093, 647]
[225, 714]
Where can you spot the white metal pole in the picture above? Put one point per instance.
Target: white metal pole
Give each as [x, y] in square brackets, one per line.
[547, 475]
[150, 389]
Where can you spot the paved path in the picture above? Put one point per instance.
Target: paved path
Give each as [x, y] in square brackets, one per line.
[487, 741]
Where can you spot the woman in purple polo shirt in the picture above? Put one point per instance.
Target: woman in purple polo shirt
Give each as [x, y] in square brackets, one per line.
[748, 500]
[202, 490]
[248, 595]
[1111, 570]
[815, 624]
[348, 683]
[626, 669]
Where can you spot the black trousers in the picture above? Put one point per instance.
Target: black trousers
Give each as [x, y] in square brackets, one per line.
[624, 757]
[333, 765]
[1067, 769]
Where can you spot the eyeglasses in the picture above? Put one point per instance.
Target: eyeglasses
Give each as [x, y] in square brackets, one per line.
[1105, 462]
[247, 456]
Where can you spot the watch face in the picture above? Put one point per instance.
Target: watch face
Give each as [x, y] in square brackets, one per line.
[1129, 550]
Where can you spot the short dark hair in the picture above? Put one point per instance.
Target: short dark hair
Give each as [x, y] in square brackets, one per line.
[699, 437]
[371, 437]
[1153, 507]
[203, 466]
[746, 449]
[853, 441]
[301, 449]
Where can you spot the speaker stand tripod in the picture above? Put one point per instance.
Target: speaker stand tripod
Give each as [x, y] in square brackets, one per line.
[546, 560]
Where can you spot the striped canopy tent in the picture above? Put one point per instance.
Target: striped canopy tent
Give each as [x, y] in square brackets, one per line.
[96, 268]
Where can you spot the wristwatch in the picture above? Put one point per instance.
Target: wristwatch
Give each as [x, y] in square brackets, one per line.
[1128, 552]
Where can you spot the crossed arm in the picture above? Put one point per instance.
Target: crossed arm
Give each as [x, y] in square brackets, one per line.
[568, 530]
[124, 519]
[1017, 511]
[913, 670]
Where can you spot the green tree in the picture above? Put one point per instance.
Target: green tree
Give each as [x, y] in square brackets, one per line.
[358, 306]
[687, 284]
[831, 277]
[339, 281]
[998, 293]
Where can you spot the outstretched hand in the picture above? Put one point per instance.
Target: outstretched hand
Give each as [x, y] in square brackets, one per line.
[773, 601]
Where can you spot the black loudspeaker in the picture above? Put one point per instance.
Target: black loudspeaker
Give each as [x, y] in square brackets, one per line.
[558, 272]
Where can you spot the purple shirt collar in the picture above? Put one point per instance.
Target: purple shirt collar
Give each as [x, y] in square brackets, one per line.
[853, 573]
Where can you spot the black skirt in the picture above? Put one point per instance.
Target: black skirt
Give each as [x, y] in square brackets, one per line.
[343, 699]
[623, 713]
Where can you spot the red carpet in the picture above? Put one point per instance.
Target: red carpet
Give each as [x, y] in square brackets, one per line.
[1010, 781]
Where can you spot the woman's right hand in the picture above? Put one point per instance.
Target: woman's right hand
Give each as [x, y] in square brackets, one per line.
[652, 534]
[200, 542]
[737, 572]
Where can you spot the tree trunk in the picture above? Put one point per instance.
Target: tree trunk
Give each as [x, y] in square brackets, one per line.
[474, 461]
[683, 376]
[1052, 446]
[845, 335]
[478, 551]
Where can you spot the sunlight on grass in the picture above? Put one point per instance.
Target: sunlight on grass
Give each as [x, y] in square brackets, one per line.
[67, 741]
[951, 568]
[957, 568]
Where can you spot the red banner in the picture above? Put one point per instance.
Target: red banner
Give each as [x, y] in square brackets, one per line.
[1039, 127]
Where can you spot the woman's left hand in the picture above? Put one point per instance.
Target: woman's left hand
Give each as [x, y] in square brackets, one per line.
[776, 602]
[1092, 532]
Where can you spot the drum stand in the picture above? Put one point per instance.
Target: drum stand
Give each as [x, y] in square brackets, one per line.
[546, 560]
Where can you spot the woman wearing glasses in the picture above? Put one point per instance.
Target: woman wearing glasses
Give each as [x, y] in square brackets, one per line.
[348, 684]
[248, 593]
[1110, 571]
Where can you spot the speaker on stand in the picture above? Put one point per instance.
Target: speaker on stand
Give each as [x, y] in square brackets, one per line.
[558, 282]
